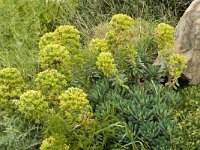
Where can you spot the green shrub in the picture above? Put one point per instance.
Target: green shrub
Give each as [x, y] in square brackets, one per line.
[187, 117]
[175, 62]
[146, 110]
[19, 133]
[164, 36]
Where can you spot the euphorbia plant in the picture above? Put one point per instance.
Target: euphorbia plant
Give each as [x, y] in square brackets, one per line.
[164, 36]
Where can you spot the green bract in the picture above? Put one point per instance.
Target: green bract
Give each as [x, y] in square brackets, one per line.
[73, 102]
[33, 105]
[51, 83]
[121, 22]
[105, 63]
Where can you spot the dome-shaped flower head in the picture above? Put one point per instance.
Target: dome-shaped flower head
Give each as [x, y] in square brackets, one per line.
[51, 83]
[48, 38]
[73, 102]
[68, 36]
[105, 63]
[12, 79]
[33, 105]
[55, 56]
[121, 22]
[164, 36]
[98, 45]
[177, 63]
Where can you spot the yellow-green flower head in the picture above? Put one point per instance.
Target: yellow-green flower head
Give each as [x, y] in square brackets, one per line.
[33, 105]
[54, 56]
[121, 22]
[177, 63]
[47, 143]
[98, 45]
[105, 63]
[73, 102]
[12, 79]
[68, 36]
[51, 144]
[50, 82]
[48, 38]
[164, 36]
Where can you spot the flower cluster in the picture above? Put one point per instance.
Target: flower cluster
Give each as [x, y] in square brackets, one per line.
[164, 36]
[68, 36]
[121, 22]
[98, 45]
[11, 87]
[51, 83]
[120, 41]
[48, 38]
[73, 102]
[33, 105]
[177, 62]
[65, 35]
[55, 56]
[51, 144]
[12, 78]
[105, 63]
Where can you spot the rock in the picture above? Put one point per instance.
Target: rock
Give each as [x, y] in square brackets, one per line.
[187, 41]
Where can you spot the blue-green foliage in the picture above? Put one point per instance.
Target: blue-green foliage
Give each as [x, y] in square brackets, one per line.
[146, 109]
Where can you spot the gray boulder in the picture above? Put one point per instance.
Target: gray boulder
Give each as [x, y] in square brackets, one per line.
[187, 41]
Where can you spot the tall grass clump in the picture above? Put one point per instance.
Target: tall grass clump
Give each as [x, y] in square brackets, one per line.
[22, 24]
